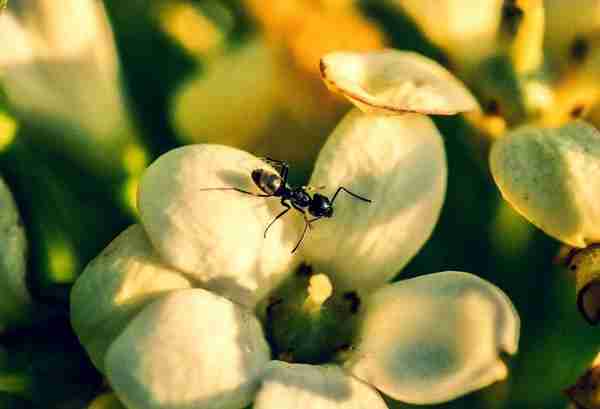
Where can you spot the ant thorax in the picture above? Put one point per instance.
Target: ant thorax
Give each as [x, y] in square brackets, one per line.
[274, 184]
[320, 206]
[268, 182]
[300, 197]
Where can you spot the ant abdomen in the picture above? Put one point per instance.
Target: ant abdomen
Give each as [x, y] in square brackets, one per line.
[268, 182]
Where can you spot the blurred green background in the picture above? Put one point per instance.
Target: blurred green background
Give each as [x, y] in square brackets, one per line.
[238, 72]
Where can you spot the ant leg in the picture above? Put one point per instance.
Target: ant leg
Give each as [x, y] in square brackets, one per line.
[364, 199]
[313, 188]
[283, 167]
[237, 190]
[287, 206]
[306, 225]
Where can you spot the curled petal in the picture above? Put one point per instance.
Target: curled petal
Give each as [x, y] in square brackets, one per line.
[391, 82]
[190, 349]
[434, 338]
[14, 297]
[397, 162]
[286, 386]
[552, 177]
[114, 287]
[217, 237]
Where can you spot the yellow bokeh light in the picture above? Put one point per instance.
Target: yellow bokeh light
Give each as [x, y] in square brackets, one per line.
[62, 262]
[8, 131]
[190, 28]
[135, 159]
[129, 194]
[311, 28]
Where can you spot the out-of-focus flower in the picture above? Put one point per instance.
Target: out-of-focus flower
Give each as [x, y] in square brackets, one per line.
[551, 176]
[269, 89]
[535, 69]
[466, 31]
[158, 337]
[59, 70]
[14, 297]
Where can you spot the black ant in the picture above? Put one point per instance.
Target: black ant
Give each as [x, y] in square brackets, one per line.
[276, 185]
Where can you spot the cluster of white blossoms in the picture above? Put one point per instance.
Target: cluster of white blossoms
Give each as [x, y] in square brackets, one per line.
[182, 310]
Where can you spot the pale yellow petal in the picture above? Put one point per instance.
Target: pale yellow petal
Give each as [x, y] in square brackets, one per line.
[397, 162]
[552, 177]
[189, 350]
[289, 386]
[217, 237]
[392, 81]
[114, 287]
[434, 338]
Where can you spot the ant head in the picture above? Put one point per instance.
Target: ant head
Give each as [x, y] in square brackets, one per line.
[320, 206]
[266, 181]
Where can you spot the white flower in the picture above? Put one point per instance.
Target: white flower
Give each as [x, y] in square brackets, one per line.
[165, 343]
[551, 176]
[59, 66]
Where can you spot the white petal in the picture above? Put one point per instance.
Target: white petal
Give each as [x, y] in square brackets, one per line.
[434, 338]
[14, 297]
[392, 81]
[114, 287]
[290, 386]
[17, 48]
[61, 65]
[190, 349]
[216, 236]
[399, 163]
[552, 177]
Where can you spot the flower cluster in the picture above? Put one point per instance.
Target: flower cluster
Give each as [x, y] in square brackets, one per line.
[193, 307]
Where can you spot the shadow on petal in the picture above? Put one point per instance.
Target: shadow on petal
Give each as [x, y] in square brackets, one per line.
[434, 338]
[311, 386]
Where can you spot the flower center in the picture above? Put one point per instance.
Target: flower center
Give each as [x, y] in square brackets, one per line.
[319, 290]
[307, 321]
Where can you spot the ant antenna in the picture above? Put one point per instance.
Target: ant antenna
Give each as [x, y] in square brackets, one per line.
[364, 199]
[237, 190]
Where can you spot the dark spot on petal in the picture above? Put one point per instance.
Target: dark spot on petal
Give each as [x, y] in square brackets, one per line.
[272, 304]
[305, 270]
[580, 49]
[577, 111]
[512, 15]
[354, 300]
[492, 107]
[344, 348]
